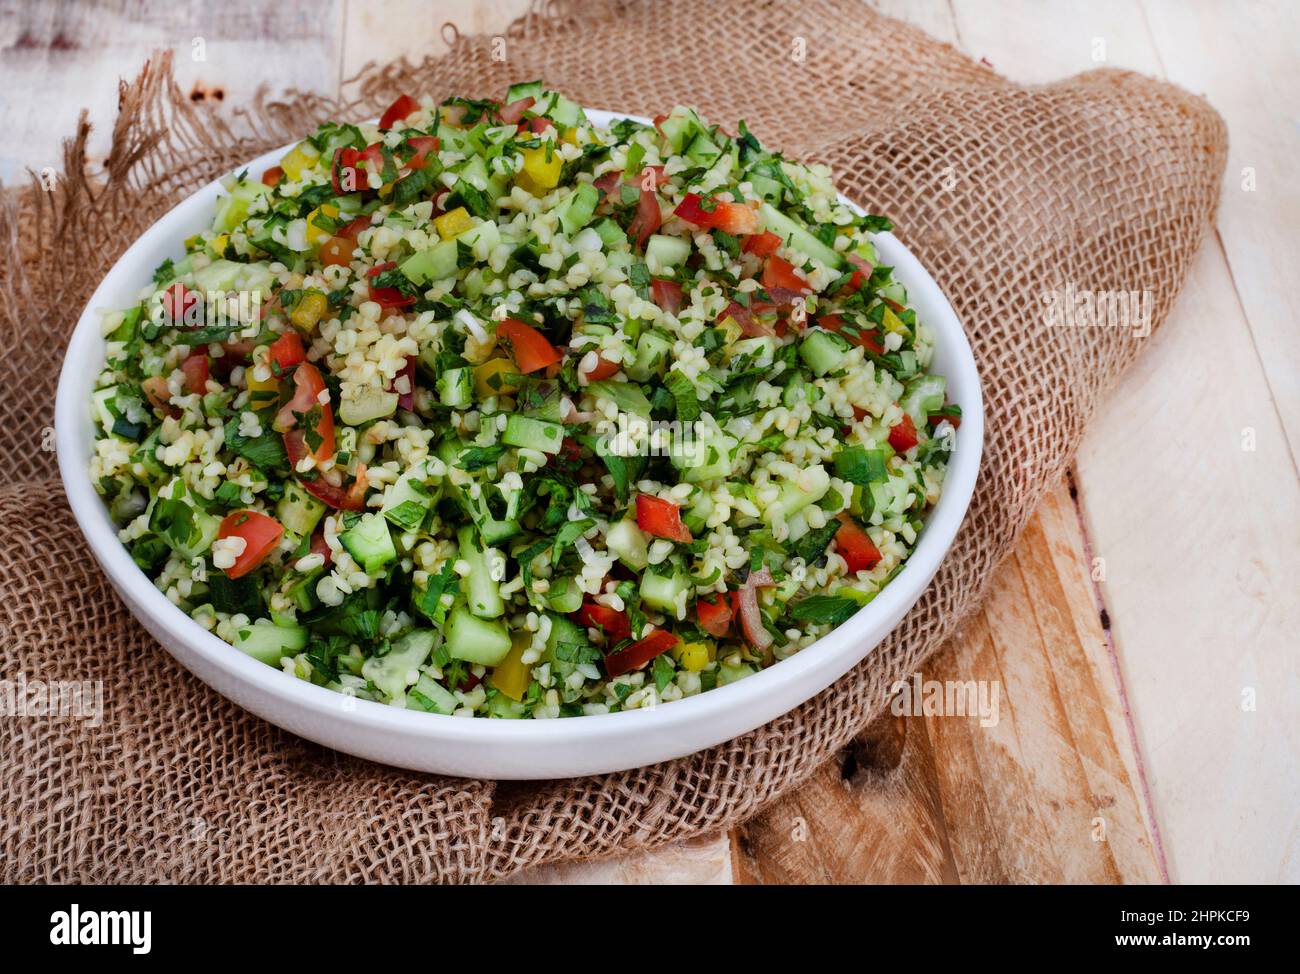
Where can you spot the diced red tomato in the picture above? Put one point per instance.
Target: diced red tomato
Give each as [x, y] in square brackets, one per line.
[737, 219]
[612, 622]
[761, 244]
[855, 546]
[639, 653]
[344, 499]
[159, 396]
[512, 113]
[528, 346]
[648, 217]
[750, 326]
[902, 437]
[196, 372]
[662, 518]
[272, 176]
[182, 307]
[608, 183]
[779, 273]
[347, 171]
[406, 400]
[307, 388]
[537, 125]
[388, 298]
[349, 231]
[337, 250]
[287, 351]
[398, 111]
[423, 145]
[867, 338]
[715, 617]
[936, 418]
[319, 546]
[261, 534]
[667, 294]
[603, 370]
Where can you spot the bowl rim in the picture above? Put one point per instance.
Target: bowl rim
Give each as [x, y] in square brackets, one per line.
[73, 418]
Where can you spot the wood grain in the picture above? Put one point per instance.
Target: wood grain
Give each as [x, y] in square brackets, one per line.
[1049, 793]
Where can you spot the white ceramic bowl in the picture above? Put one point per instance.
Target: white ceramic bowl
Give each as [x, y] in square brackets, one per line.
[498, 748]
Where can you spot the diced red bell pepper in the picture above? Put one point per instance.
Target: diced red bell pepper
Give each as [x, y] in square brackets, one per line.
[715, 617]
[855, 546]
[779, 273]
[195, 368]
[272, 177]
[667, 294]
[287, 351]
[307, 388]
[661, 518]
[261, 534]
[902, 437]
[612, 622]
[528, 346]
[398, 111]
[761, 244]
[639, 653]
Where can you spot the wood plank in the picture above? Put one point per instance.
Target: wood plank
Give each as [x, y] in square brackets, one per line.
[74, 54]
[1048, 793]
[1201, 541]
[1246, 65]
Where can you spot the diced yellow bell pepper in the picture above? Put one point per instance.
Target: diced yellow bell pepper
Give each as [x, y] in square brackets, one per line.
[315, 235]
[511, 676]
[543, 173]
[731, 329]
[570, 136]
[299, 159]
[694, 656]
[893, 323]
[453, 223]
[311, 308]
[218, 244]
[488, 379]
[261, 392]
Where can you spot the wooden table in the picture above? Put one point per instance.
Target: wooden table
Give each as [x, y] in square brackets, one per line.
[1143, 635]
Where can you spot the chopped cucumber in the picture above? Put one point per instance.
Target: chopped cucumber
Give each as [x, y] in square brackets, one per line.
[653, 350]
[431, 696]
[707, 457]
[476, 640]
[298, 511]
[525, 89]
[823, 351]
[101, 401]
[175, 518]
[563, 631]
[370, 543]
[484, 594]
[397, 669]
[564, 595]
[408, 501]
[533, 434]
[438, 263]
[628, 544]
[232, 210]
[366, 405]
[703, 151]
[730, 674]
[663, 253]
[269, 642]
[456, 387]
[810, 486]
[577, 209]
[611, 234]
[663, 591]
[797, 237]
[626, 396]
[923, 395]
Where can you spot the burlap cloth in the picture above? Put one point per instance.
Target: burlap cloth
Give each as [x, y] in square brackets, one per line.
[1106, 181]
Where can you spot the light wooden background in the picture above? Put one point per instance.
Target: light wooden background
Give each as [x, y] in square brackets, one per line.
[1144, 635]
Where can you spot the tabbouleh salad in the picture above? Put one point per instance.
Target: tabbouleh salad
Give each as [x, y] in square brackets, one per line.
[491, 411]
